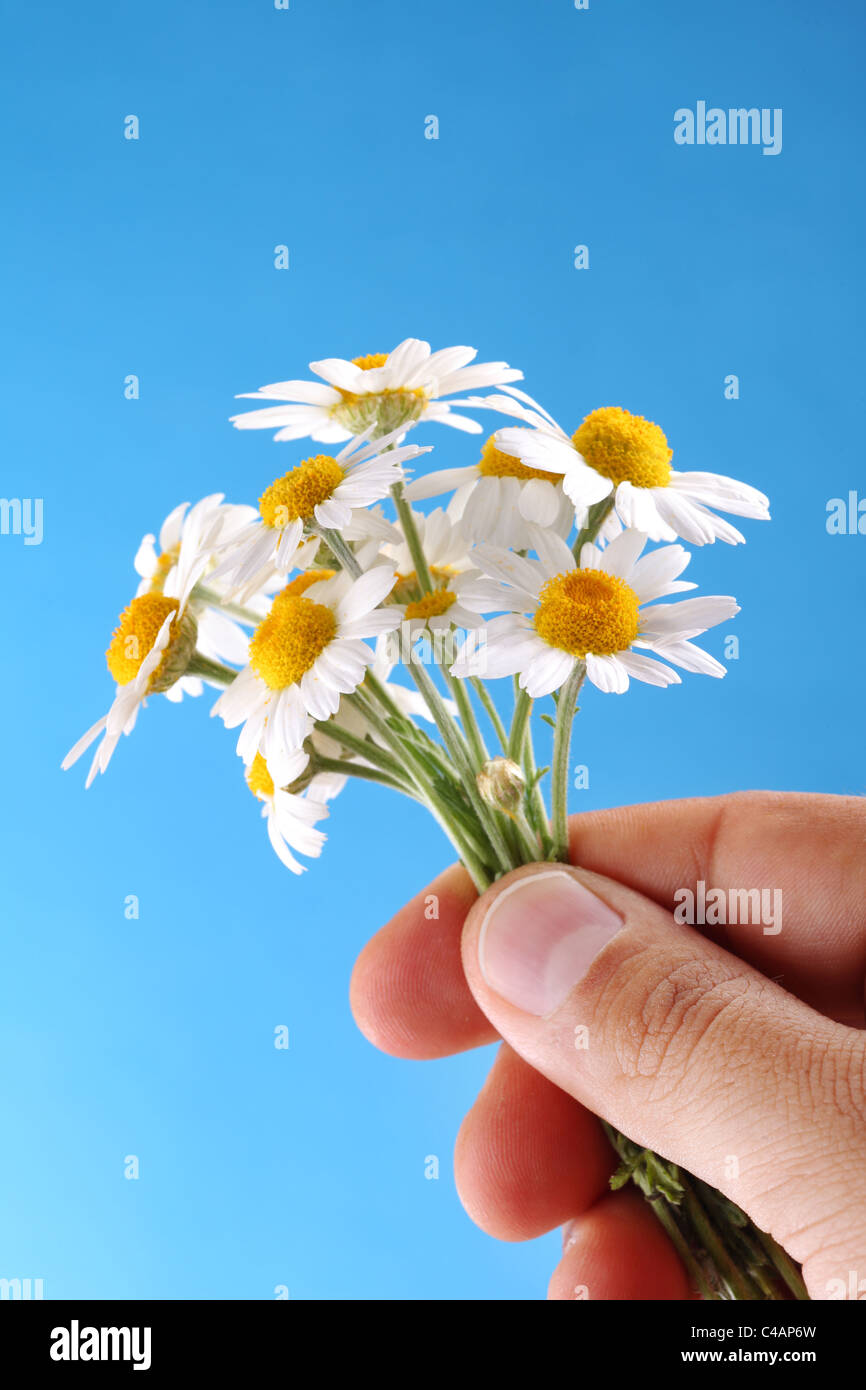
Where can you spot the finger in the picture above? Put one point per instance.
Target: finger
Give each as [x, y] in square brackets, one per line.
[408, 992]
[808, 851]
[683, 1047]
[528, 1158]
[618, 1250]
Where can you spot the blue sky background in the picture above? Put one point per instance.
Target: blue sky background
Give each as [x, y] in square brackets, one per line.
[306, 127]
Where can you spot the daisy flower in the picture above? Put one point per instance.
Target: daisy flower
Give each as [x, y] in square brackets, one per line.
[384, 390]
[563, 613]
[190, 536]
[320, 491]
[459, 594]
[616, 453]
[499, 499]
[150, 651]
[291, 816]
[304, 655]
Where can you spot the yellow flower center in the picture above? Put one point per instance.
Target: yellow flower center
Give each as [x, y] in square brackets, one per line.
[164, 563]
[387, 410]
[587, 611]
[302, 582]
[259, 780]
[372, 359]
[431, 605]
[625, 448]
[137, 630]
[295, 496]
[407, 587]
[290, 639]
[496, 464]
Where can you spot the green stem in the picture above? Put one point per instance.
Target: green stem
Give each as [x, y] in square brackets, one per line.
[378, 689]
[340, 549]
[362, 747]
[535, 800]
[410, 741]
[458, 752]
[786, 1267]
[413, 540]
[766, 1260]
[421, 778]
[467, 718]
[202, 594]
[517, 738]
[366, 774]
[663, 1213]
[531, 850]
[565, 710]
[741, 1286]
[492, 712]
[213, 671]
[595, 518]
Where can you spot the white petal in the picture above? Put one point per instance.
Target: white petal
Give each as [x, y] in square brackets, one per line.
[516, 570]
[366, 592]
[539, 502]
[555, 556]
[687, 618]
[281, 849]
[623, 552]
[690, 657]
[643, 668]
[546, 672]
[434, 484]
[608, 674]
[83, 743]
[653, 574]
[637, 507]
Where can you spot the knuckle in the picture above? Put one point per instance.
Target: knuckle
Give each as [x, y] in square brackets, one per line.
[668, 1012]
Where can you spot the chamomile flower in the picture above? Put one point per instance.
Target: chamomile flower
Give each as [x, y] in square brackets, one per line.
[150, 651]
[563, 613]
[304, 656]
[190, 538]
[291, 817]
[459, 595]
[616, 453]
[385, 390]
[499, 499]
[321, 491]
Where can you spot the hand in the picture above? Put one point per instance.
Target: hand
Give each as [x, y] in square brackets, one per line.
[737, 1051]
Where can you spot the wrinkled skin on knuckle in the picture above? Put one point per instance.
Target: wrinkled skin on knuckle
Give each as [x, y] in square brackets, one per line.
[849, 1081]
[828, 1227]
[658, 1014]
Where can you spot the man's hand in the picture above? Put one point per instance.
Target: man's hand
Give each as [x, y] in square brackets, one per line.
[736, 1052]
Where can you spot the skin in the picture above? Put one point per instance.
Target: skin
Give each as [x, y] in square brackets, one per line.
[707, 1041]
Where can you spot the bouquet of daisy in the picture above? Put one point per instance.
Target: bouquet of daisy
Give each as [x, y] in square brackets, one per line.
[302, 610]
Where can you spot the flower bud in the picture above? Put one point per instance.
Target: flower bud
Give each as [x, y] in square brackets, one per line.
[501, 784]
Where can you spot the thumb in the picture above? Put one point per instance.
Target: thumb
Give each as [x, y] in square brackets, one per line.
[685, 1049]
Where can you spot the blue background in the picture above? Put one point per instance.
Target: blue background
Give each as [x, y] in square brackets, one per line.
[306, 127]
